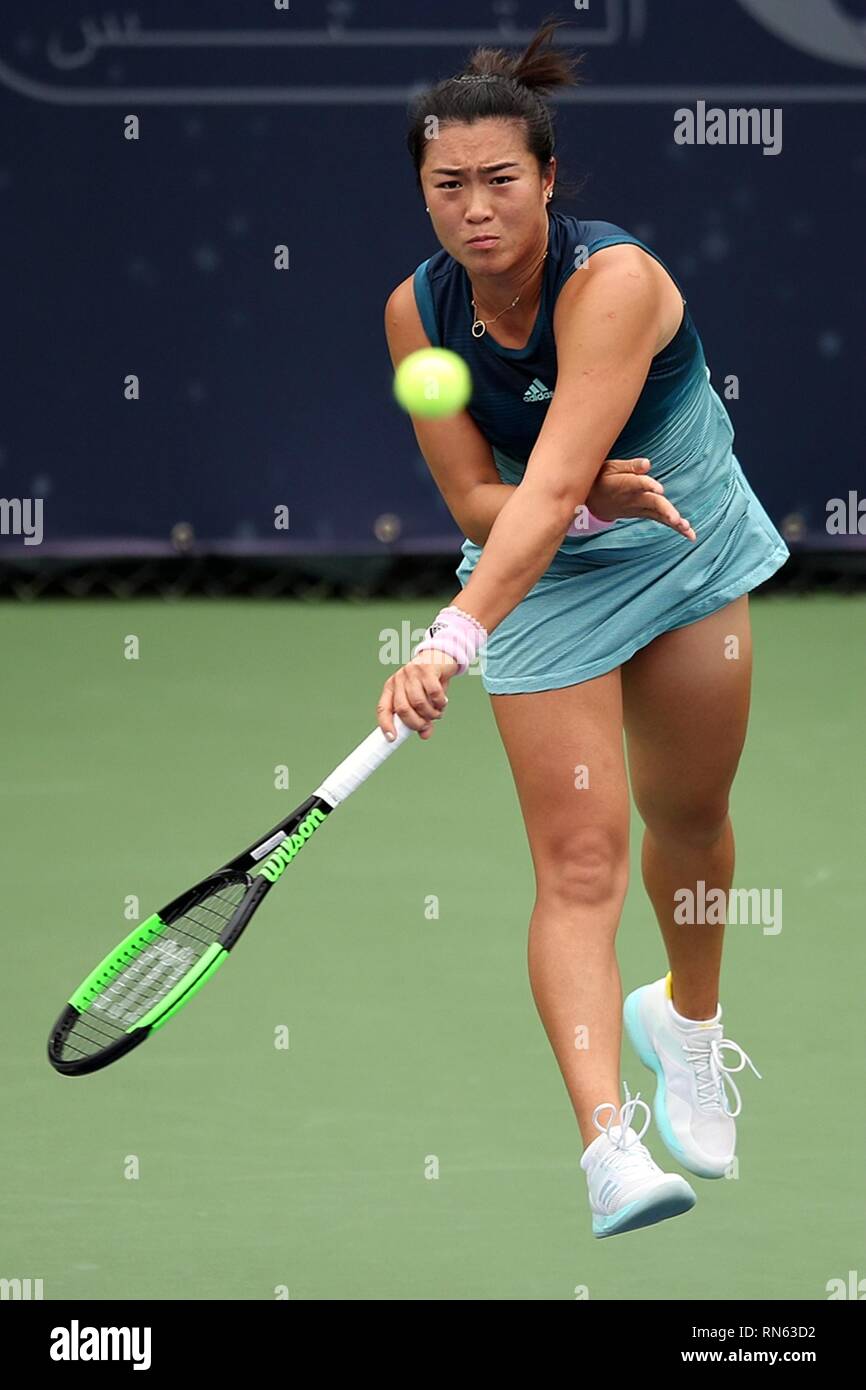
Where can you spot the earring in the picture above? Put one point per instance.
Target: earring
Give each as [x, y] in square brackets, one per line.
[426, 209]
[550, 193]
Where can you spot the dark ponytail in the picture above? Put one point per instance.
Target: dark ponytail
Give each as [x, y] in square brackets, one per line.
[499, 85]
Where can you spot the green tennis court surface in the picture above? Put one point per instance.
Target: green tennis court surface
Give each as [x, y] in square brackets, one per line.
[413, 1039]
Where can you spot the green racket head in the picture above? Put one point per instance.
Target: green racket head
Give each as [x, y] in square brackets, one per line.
[152, 973]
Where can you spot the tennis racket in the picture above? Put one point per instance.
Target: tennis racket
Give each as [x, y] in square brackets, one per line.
[158, 968]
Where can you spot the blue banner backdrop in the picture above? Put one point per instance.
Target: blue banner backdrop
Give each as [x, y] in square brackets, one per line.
[264, 124]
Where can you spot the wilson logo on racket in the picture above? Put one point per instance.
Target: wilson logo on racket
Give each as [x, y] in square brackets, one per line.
[283, 855]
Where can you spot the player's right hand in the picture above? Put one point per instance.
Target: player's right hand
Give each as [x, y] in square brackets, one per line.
[417, 693]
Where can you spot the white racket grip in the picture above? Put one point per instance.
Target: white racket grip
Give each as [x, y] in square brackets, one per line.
[352, 771]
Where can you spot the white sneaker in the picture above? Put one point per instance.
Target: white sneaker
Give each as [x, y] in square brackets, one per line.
[693, 1112]
[627, 1189]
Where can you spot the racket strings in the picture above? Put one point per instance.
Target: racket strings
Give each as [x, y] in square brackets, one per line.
[151, 976]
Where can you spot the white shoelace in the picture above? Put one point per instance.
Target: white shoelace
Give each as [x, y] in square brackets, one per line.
[713, 1076]
[625, 1155]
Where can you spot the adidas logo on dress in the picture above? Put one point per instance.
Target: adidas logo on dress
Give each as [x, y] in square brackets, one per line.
[537, 392]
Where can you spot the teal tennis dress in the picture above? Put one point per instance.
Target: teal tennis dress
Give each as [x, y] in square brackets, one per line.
[606, 595]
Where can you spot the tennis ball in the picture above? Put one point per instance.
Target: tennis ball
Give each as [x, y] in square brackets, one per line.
[433, 382]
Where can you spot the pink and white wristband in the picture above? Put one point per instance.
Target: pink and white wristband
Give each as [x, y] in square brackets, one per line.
[456, 633]
[585, 524]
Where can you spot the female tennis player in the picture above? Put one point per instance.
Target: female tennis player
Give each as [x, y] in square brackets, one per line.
[602, 599]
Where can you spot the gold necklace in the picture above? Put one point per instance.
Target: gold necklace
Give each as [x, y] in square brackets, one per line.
[479, 326]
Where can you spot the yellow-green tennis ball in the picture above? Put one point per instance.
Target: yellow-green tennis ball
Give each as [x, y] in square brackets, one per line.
[433, 382]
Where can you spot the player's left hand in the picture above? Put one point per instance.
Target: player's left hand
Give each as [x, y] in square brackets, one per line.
[624, 488]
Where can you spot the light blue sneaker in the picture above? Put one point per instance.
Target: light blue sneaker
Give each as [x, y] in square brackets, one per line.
[693, 1112]
[627, 1189]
